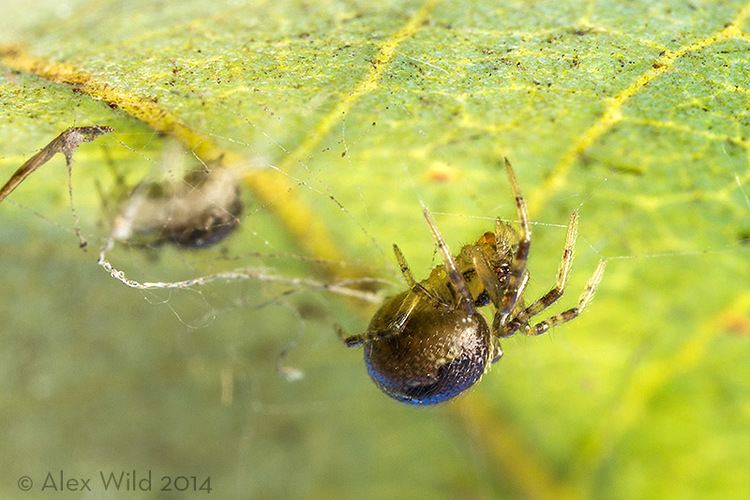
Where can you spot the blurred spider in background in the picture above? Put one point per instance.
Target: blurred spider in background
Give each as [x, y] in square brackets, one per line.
[198, 210]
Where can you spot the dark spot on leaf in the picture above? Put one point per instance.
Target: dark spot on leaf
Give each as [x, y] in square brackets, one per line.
[9, 52]
[580, 31]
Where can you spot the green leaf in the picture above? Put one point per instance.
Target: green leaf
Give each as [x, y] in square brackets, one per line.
[635, 113]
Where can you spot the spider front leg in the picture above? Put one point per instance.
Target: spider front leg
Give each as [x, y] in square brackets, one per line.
[510, 326]
[455, 278]
[583, 301]
[516, 282]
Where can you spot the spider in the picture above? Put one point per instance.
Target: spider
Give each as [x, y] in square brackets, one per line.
[197, 211]
[429, 343]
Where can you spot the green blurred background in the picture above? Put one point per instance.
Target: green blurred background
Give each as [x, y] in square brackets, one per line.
[634, 112]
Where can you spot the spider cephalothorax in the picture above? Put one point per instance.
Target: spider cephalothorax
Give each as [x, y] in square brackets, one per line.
[429, 343]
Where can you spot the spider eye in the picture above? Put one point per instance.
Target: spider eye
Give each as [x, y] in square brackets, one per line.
[438, 355]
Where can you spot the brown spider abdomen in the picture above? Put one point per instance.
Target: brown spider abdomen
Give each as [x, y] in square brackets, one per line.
[438, 354]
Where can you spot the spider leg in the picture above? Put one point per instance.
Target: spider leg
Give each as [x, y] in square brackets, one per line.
[555, 293]
[518, 268]
[454, 276]
[411, 282]
[348, 340]
[565, 316]
[395, 328]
